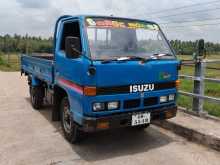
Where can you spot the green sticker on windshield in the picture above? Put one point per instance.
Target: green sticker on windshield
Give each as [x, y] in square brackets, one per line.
[153, 27]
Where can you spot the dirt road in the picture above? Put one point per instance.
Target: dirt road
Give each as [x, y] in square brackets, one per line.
[29, 137]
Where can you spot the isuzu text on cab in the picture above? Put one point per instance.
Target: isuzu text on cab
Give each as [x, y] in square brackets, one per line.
[106, 72]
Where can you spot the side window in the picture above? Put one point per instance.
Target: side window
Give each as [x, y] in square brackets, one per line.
[70, 29]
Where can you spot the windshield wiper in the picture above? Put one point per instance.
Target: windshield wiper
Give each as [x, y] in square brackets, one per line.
[120, 59]
[137, 58]
[149, 58]
[158, 55]
[155, 56]
[108, 61]
[127, 58]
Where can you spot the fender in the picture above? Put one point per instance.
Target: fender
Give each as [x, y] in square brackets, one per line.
[35, 81]
[58, 94]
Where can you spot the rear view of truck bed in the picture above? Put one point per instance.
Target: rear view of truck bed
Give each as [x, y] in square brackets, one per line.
[40, 66]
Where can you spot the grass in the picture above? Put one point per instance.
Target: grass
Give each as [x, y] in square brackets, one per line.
[211, 89]
[9, 63]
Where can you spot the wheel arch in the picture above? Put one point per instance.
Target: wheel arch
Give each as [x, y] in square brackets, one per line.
[58, 94]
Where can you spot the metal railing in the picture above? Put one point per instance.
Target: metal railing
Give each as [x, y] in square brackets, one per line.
[199, 83]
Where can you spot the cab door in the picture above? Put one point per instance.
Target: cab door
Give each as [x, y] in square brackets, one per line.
[65, 67]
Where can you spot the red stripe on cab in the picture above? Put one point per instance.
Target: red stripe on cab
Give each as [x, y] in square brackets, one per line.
[71, 85]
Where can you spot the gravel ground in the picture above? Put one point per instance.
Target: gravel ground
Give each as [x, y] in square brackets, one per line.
[29, 137]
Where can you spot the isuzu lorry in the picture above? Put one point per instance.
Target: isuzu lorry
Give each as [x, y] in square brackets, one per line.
[105, 73]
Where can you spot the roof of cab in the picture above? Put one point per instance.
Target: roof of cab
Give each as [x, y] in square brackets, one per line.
[108, 17]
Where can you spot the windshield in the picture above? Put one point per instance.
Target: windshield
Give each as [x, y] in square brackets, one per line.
[116, 38]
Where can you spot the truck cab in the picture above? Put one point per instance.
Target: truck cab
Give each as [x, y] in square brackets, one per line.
[106, 72]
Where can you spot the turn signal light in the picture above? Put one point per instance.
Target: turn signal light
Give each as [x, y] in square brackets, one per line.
[103, 125]
[89, 91]
[177, 83]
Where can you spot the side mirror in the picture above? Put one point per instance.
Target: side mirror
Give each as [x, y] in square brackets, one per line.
[201, 47]
[72, 47]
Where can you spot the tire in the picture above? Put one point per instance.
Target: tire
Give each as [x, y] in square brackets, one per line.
[30, 89]
[37, 97]
[70, 128]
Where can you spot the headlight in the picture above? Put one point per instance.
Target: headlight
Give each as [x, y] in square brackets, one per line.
[113, 105]
[98, 106]
[163, 99]
[171, 97]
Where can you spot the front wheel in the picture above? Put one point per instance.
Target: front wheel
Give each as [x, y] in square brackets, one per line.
[69, 127]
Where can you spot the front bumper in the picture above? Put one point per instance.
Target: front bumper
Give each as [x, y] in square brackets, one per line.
[92, 124]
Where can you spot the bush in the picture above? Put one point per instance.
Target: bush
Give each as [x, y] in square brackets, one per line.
[1, 60]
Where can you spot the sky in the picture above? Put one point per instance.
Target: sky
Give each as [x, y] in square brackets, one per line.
[37, 18]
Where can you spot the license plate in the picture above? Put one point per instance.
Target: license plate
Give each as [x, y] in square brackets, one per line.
[140, 119]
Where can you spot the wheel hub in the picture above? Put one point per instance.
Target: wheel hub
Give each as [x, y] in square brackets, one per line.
[67, 118]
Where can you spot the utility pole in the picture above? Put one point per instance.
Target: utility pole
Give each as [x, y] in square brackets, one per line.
[199, 85]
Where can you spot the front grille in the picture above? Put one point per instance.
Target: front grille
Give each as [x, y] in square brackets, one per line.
[150, 101]
[132, 103]
[126, 89]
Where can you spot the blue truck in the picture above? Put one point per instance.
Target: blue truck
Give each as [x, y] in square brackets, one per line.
[105, 73]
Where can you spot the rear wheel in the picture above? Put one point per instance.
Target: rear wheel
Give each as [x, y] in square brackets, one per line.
[70, 128]
[30, 89]
[37, 97]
